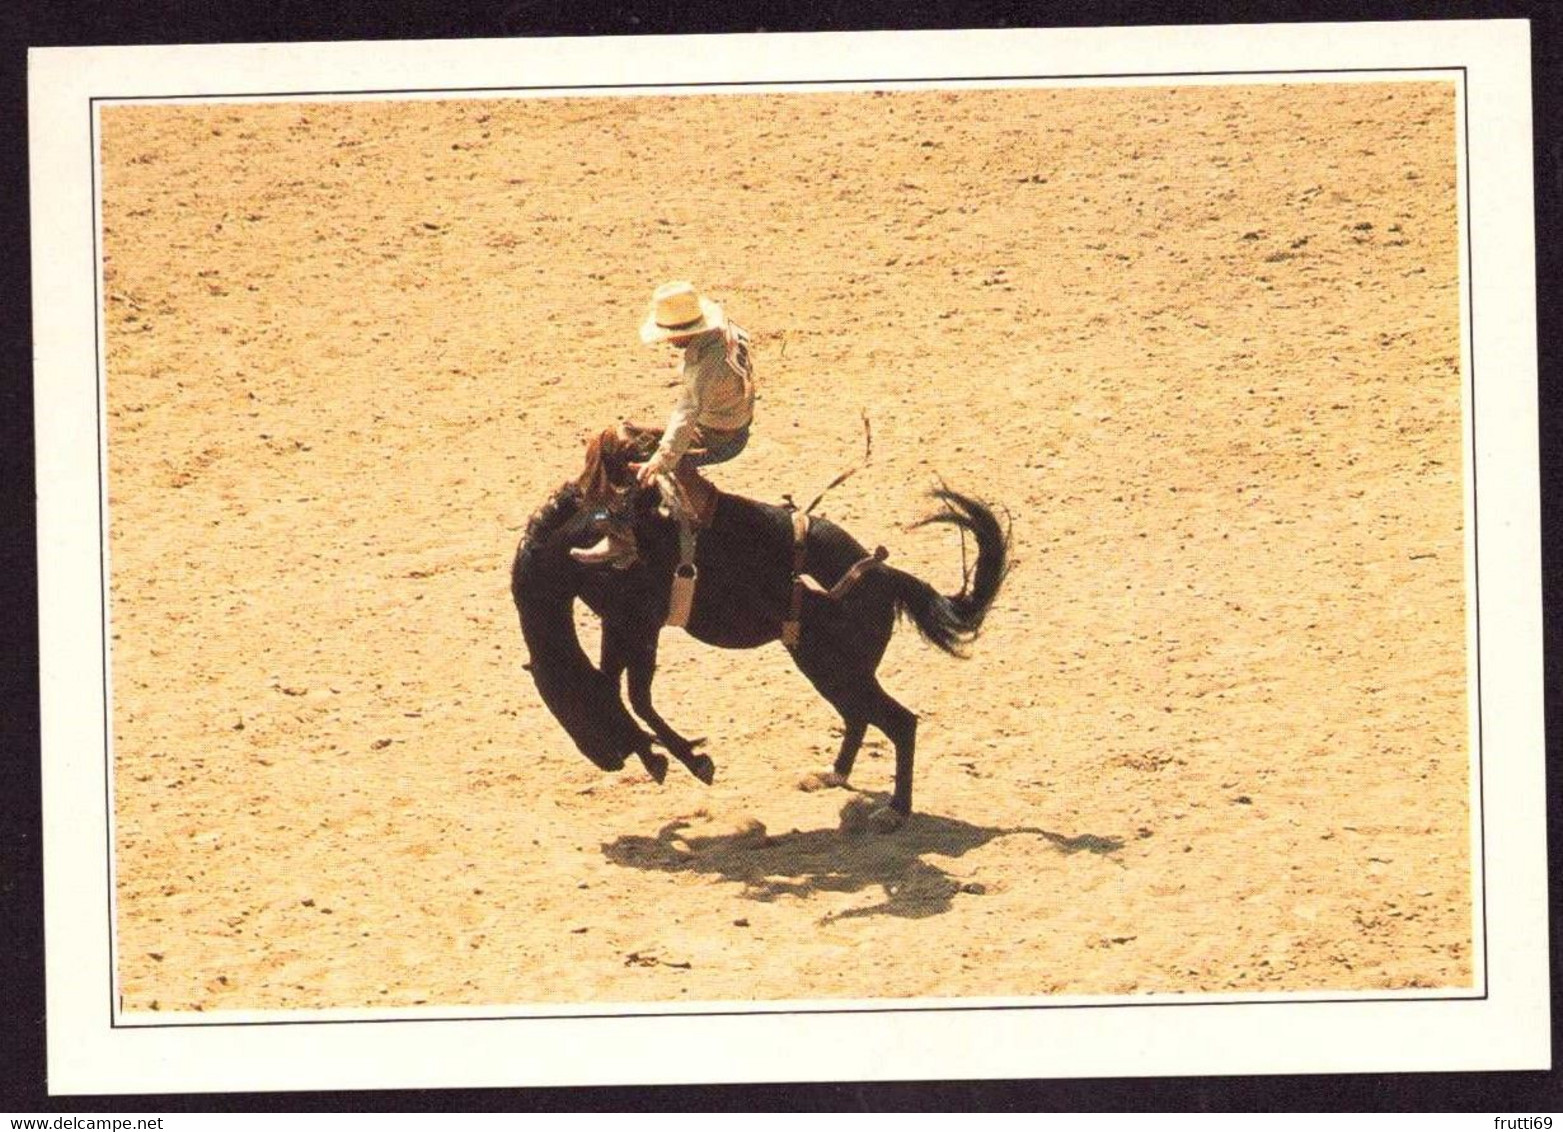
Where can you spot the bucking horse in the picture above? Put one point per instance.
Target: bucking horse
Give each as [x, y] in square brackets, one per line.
[751, 573]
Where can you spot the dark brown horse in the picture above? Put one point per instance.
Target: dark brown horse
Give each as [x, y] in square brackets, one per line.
[744, 597]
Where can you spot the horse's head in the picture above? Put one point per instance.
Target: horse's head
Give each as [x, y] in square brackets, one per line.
[609, 454]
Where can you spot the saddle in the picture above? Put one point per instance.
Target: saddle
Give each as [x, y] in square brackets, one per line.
[691, 499]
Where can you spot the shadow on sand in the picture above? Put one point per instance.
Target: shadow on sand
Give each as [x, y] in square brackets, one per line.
[803, 863]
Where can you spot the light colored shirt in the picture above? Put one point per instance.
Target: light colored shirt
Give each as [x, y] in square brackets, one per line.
[718, 390]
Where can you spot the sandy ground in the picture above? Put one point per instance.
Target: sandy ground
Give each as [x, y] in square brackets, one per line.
[1202, 343]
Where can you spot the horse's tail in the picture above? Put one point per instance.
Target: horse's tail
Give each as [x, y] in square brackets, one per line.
[953, 622]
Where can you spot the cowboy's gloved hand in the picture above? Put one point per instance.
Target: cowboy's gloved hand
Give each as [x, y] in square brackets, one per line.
[654, 467]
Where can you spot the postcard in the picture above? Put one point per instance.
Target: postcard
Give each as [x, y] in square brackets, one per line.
[789, 557]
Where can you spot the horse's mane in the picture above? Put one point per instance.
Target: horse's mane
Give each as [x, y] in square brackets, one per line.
[607, 476]
[559, 509]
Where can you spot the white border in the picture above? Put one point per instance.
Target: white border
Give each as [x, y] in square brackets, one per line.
[1281, 1034]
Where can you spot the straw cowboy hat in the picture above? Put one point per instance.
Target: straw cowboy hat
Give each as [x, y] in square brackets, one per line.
[678, 309]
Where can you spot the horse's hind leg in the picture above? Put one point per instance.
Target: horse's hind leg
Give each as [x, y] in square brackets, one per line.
[857, 695]
[900, 727]
[841, 665]
[853, 729]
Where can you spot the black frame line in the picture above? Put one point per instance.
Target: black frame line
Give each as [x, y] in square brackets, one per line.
[1480, 811]
[783, 1011]
[752, 1010]
[103, 564]
[740, 83]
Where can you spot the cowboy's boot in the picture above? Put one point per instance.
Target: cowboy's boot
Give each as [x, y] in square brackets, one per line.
[616, 548]
[699, 491]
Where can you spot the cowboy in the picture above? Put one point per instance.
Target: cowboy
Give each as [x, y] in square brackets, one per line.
[710, 423]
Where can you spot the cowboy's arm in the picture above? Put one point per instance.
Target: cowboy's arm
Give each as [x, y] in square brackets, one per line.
[680, 432]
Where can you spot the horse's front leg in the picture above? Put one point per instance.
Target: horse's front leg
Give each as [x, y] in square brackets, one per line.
[615, 658]
[642, 666]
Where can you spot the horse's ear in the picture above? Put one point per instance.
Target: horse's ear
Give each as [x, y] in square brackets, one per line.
[593, 478]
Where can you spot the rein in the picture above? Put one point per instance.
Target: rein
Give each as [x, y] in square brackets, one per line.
[868, 454]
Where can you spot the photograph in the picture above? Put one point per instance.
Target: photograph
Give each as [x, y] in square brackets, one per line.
[1174, 370]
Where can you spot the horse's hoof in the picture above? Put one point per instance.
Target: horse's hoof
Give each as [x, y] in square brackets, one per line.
[656, 766]
[886, 820]
[702, 768]
[821, 780]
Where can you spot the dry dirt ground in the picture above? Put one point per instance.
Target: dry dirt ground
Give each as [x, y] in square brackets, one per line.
[1201, 342]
